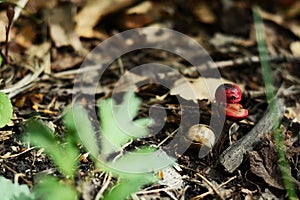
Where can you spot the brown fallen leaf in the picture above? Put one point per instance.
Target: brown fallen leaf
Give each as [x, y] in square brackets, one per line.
[128, 81]
[92, 13]
[65, 60]
[202, 10]
[3, 25]
[145, 13]
[264, 165]
[292, 26]
[295, 48]
[293, 113]
[62, 25]
[198, 89]
[26, 35]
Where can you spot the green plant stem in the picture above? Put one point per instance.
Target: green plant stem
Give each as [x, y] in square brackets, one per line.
[268, 81]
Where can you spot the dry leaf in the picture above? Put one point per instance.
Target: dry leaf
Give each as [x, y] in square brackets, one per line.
[128, 81]
[92, 13]
[204, 13]
[26, 36]
[295, 48]
[62, 26]
[38, 51]
[265, 166]
[144, 13]
[295, 28]
[293, 113]
[2, 31]
[33, 6]
[3, 24]
[137, 16]
[198, 89]
[292, 26]
[221, 40]
[65, 60]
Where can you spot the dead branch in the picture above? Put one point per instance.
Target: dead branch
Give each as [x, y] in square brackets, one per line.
[233, 156]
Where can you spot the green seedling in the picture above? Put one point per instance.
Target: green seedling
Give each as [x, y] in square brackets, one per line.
[64, 153]
[6, 109]
[115, 130]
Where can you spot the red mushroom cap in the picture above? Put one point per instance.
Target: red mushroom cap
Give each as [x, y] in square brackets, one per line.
[228, 93]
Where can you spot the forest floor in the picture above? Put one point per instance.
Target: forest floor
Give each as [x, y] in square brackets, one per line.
[51, 42]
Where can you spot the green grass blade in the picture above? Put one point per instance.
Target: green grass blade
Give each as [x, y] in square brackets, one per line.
[268, 81]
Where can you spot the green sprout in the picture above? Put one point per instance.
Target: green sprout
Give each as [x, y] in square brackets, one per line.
[118, 127]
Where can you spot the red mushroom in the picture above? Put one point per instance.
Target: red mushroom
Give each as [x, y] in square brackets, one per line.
[231, 94]
[228, 93]
[235, 112]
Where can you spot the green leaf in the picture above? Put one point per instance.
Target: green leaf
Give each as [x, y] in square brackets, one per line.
[130, 106]
[117, 123]
[40, 134]
[78, 123]
[49, 188]
[6, 109]
[141, 160]
[14, 191]
[125, 187]
[64, 157]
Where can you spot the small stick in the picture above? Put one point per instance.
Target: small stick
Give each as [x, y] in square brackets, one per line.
[256, 59]
[106, 183]
[6, 156]
[15, 173]
[233, 156]
[201, 196]
[10, 12]
[210, 185]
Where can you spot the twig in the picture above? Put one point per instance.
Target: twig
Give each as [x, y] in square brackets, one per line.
[168, 137]
[256, 59]
[104, 187]
[201, 196]
[219, 64]
[24, 83]
[226, 182]
[233, 156]
[5, 156]
[120, 63]
[155, 190]
[216, 190]
[15, 172]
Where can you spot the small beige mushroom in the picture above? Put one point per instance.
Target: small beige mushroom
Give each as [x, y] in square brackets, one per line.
[201, 134]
